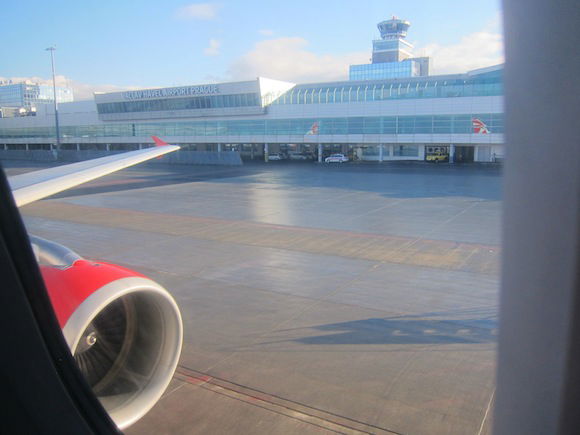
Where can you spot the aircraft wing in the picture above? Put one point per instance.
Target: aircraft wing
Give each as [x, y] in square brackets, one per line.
[36, 185]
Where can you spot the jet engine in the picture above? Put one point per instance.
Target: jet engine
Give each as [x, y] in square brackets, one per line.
[123, 329]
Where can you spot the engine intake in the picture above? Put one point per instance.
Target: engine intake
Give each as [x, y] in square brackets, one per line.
[124, 330]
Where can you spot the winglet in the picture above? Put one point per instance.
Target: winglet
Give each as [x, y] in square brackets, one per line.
[159, 142]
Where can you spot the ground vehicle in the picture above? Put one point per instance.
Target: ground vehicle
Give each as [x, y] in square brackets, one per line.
[437, 157]
[437, 154]
[276, 156]
[298, 156]
[336, 158]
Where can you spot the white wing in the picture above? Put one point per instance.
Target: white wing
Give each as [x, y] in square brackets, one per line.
[33, 186]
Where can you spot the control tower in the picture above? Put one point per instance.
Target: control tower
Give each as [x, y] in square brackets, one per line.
[392, 55]
[392, 46]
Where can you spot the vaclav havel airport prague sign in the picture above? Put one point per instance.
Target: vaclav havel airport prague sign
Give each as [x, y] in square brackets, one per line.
[172, 92]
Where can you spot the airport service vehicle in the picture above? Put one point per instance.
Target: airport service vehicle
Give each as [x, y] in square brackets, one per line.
[437, 157]
[276, 156]
[123, 329]
[436, 154]
[336, 158]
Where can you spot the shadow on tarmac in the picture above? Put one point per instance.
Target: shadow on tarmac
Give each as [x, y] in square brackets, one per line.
[475, 325]
[403, 330]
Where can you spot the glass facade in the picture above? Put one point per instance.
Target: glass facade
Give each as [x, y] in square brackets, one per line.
[372, 150]
[44, 94]
[188, 103]
[27, 95]
[12, 96]
[406, 150]
[488, 84]
[424, 124]
[392, 44]
[384, 70]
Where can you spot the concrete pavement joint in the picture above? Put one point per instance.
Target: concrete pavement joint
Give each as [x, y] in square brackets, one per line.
[289, 408]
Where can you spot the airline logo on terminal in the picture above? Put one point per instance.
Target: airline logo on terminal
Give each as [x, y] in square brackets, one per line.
[172, 92]
[479, 127]
[313, 129]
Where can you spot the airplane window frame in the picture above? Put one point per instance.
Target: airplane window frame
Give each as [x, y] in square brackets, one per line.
[43, 390]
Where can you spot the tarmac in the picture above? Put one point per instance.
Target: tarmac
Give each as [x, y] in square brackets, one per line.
[316, 298]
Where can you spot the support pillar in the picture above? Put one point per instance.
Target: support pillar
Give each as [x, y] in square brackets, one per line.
[452, 153]
[421, 149]
[219, 147]
[266, 152]
[380, 152]
[108, 147]
[319, 153]
[78, 147]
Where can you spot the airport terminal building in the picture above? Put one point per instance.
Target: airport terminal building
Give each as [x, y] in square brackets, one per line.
[409, 117]
[393, 119]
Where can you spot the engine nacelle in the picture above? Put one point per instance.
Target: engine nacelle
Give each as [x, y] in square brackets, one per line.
[123, 329]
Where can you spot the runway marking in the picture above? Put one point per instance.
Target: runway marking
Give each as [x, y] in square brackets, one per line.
[314, 416]
[442, 254]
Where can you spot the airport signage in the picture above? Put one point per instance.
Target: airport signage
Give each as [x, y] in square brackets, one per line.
[172, 92]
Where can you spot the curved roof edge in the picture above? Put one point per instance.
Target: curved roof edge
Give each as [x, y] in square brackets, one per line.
[486, 69]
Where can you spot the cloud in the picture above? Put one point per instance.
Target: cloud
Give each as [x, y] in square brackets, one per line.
[475, 50]
[289, 59]
[81, 91]
[85, 91]
[266, 32]
[213, 49]
[198, 11]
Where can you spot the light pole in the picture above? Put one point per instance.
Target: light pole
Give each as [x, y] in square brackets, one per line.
[57, 145]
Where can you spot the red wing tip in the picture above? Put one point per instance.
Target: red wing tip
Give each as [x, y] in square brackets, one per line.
[159, 142]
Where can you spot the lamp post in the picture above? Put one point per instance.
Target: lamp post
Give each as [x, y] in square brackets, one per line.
[57, 144]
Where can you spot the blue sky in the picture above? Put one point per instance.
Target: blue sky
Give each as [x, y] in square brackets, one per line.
[152, 43]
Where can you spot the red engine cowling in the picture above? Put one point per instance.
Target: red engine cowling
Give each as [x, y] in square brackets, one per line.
[123, 329]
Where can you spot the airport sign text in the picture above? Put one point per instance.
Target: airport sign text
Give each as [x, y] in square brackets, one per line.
[171, 92]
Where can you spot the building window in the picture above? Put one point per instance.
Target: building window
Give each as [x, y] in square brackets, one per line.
[372, 150]
[391, 125]
[406, 150]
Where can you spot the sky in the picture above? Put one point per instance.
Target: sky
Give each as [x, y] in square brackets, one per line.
[114, 45]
